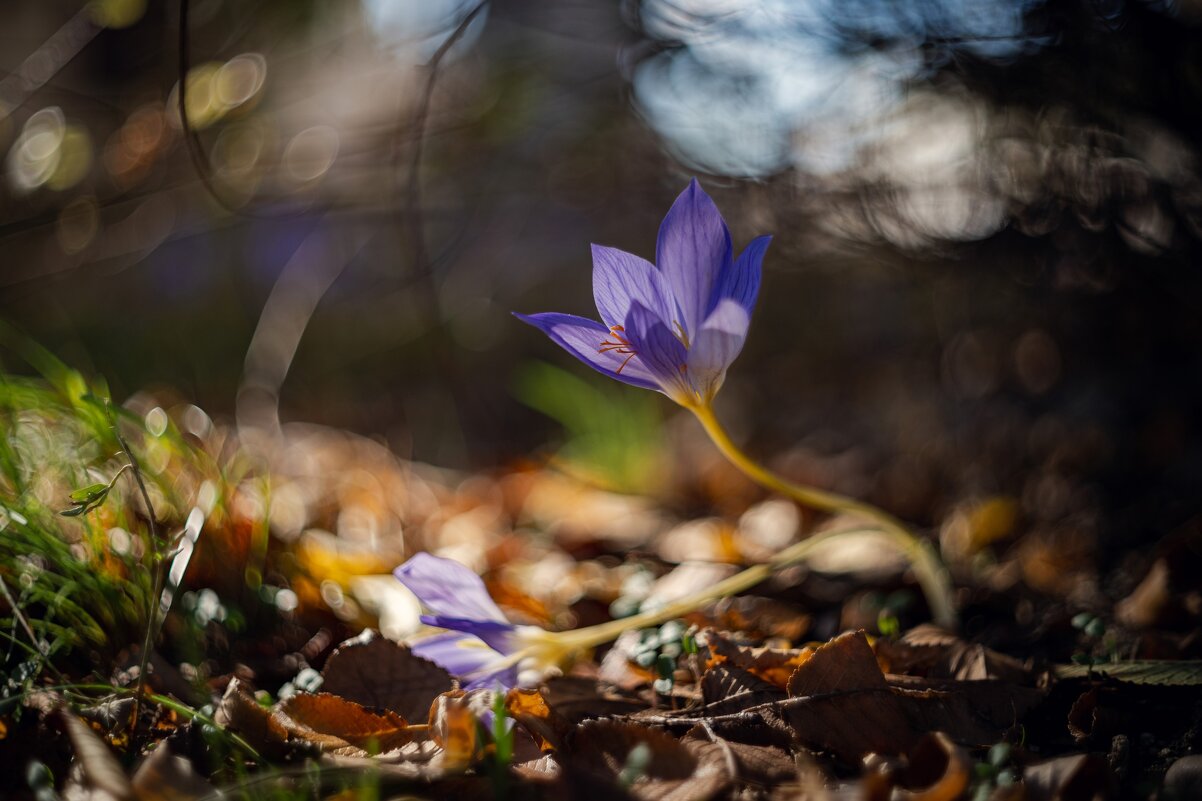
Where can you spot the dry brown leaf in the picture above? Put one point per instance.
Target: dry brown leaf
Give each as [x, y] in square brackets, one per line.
[845, 663]
[165, 776]
[1147, 604]
[1150, 672]
[930, 651]
[1184, 778]
[544, 769]
[530, 709]
[1170, 595]
[1092, 720]
[520, 606]
[416, 761]
[842, 703]
[850, 709]
[110, 715]
[974, 662]
[376, 672]
[1077, 777]
[726, 689]
[576, 698]
[937, 770]
[759, 761]
[601, 750]
[101, 770]
[334, 723]
[772, 665]
[997, 703]
[454, 727]
[240, 712]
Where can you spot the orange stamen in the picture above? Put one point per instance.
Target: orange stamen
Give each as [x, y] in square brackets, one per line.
[620, 344]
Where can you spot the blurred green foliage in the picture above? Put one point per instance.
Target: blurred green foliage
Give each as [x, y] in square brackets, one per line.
[77, 585]
[613, 436]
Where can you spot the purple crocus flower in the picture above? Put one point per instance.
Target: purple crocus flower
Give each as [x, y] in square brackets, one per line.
[674, 326]
[480, 639]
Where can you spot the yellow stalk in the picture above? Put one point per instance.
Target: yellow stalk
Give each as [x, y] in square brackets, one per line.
[582, 639]
[929, 571]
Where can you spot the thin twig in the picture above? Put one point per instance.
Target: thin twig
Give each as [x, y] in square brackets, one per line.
[421, 272]
[413, 213]
[760, 712]
[157, 564]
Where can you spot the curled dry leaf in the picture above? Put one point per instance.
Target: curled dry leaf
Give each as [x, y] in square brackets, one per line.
[845, 663]
[240, 712]
[936, 770]
[1089, 718]
[102, 773]
[376, 672]
[416, 761]
[1148, 603]
[461, 725]
[454, 727]
[336, 724]
[1170, 594]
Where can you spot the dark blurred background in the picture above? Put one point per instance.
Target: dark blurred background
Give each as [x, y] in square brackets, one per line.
[984, 282]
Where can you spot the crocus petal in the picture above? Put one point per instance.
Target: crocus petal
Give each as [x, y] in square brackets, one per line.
[498, 635]
[582, 338]
[621, 279]
[740, 281]
[459, 654]
[661, 352]
[717, 344]
[504, 678]
[465, 656]
[446, 587]
[692, 251]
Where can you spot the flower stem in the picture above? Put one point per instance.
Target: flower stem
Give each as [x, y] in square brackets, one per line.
[929, 571]
[157, 566]
[561, 648]
[796, 553]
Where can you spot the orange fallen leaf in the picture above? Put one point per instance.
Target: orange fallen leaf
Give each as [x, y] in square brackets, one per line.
[455, 728]
[334, 722]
